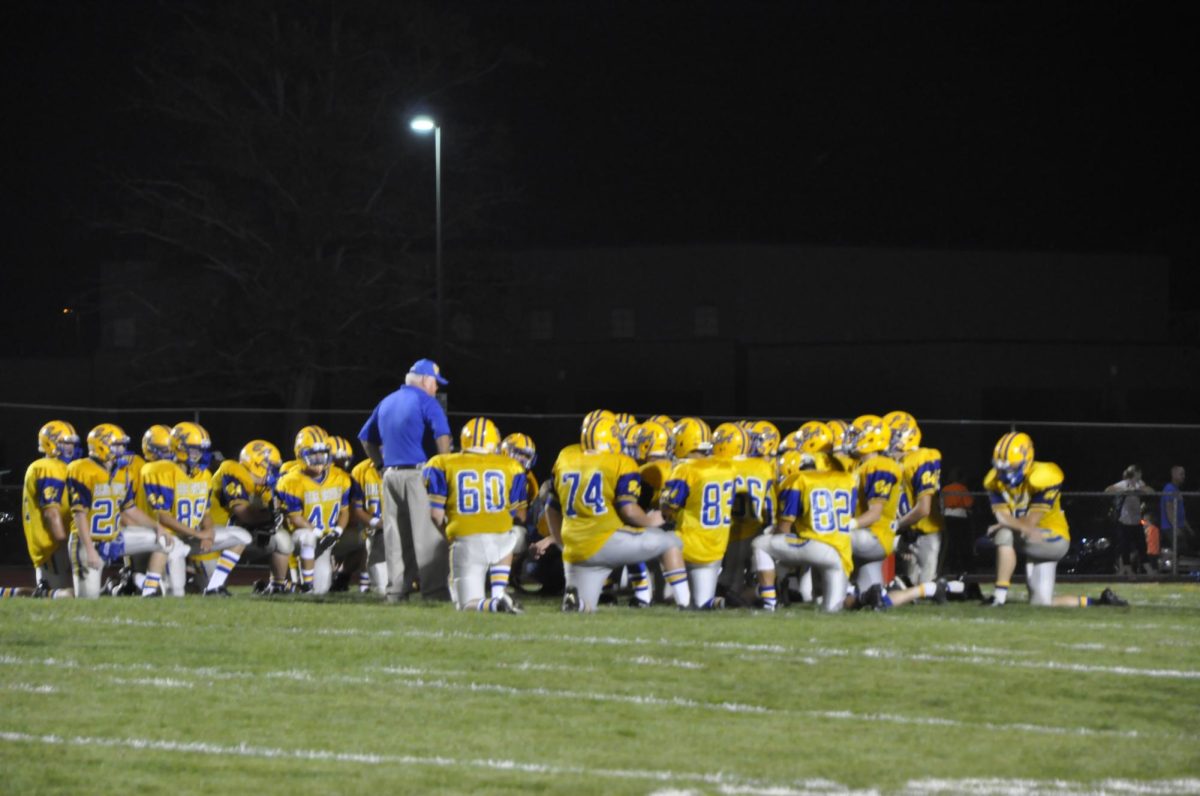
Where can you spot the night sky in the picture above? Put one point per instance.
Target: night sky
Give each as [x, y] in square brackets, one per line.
[1043, 126]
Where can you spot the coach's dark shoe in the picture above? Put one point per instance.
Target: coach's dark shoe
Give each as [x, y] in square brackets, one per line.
[570, 602]
[1109, 597]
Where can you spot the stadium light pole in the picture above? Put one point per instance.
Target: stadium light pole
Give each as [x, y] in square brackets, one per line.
[425, 125]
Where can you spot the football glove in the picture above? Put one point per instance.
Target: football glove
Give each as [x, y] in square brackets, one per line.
[327, 541]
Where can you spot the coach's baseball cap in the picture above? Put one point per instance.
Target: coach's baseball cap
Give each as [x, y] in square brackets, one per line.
[427, 367]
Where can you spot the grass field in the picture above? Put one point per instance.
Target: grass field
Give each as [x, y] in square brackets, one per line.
[352, 696]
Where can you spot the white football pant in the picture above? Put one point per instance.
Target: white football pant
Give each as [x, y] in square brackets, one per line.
[869, 556]
[625, 546]
[470, 558]
[137, 541]
[808, 554]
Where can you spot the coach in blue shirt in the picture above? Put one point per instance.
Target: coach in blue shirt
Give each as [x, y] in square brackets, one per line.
[406, 428]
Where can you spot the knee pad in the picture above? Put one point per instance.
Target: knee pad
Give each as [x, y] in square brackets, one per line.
[282, 543]
[240, 536]
[305, 537]
[1003, 537]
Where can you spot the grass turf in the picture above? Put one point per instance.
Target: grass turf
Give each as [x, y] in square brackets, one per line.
[347, 694]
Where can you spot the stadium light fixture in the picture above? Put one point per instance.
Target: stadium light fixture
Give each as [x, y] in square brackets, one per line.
[424, 125]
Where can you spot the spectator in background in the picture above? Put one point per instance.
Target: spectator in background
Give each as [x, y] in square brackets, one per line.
[960, 535]
[1153, 543]
[1127, 510]
[1172, 517]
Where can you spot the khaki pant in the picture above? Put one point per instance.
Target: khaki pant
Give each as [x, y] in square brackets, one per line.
[412, 545]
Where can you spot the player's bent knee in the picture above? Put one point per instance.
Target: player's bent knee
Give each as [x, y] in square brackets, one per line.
[1003, 537]
[239, 536]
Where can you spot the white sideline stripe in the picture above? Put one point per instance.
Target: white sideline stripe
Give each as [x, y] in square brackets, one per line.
[30, 688]
[1177, 674]
[1010, 787]
[805, 652]
[265, 752]
[646, 660]
[153, 682]
[726, 783]
[410, 677]
[869, 652]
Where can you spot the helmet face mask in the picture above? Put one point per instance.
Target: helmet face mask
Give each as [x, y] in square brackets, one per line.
[156, 443]
[191, 446]
[764, 439]
[262, 460]
[58, 440]
[520, 447]
[1012, 458]
[866, 435]
[107, 444]
[313, 449]
[905, 434]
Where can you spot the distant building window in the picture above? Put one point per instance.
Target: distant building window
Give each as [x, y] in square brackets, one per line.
[463, 327]
[124, 333]
[541, 324]
[706, 321]
[623, 323]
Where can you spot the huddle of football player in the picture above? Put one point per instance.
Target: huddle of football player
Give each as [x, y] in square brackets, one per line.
[721, 516]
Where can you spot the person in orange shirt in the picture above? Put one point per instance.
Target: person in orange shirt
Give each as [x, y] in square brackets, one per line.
[957, 504]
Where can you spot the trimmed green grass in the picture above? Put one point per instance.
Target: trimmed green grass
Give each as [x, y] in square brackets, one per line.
[350, 695]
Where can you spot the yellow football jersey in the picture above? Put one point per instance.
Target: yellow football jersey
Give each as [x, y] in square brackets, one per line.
[754, 497]
[478, 491]
[133, 475]
[232, 486]
[922, 475]
[321, 502]
[701, 492]
[290, 466]
[654, 473]
[879, 478]
[820, 505]
[366, 488]
[45, 485]
[588, 488]
[167, 487]
[530, 490]
[100, 495]
[846, 462]
[1041, 489]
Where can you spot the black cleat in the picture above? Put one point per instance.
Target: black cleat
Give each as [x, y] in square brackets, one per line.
[570, 602]
[220, 591]
[940, 596]
[1109, 597]
[634, 602]
[607, 598]
[42, 590]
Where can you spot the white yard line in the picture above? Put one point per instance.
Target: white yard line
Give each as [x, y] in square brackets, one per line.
[362, 758]
[1021, 787]
[419, 679]
[724, 782]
